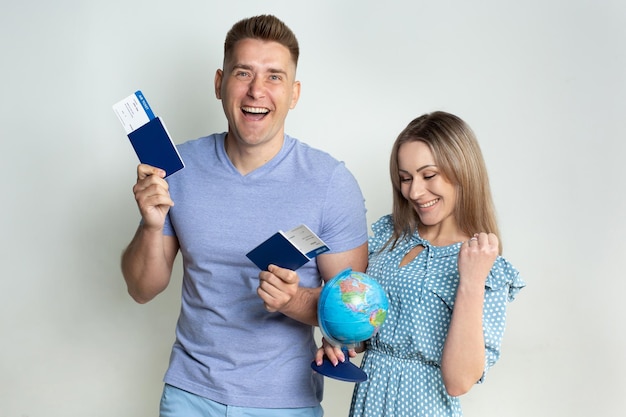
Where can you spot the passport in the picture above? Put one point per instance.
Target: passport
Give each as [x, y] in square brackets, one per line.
[147, 134]
[290, 249]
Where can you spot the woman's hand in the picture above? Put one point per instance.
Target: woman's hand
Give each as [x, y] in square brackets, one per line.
[476, 258]
[333, 353]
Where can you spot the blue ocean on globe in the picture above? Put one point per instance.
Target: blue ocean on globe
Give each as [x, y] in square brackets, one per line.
[351, 308]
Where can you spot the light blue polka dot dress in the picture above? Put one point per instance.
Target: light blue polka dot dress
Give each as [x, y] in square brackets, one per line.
[403, 360]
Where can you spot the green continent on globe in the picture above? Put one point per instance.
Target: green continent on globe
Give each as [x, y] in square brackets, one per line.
[353, 294]
[377, 317]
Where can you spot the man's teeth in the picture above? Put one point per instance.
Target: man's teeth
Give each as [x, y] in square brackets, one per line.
[255, 110]
[430, 203]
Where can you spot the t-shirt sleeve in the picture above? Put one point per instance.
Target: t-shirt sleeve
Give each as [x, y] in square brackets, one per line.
[345, 223]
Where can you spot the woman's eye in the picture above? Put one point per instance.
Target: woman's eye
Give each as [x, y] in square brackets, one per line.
[405, 179]
[428, 177]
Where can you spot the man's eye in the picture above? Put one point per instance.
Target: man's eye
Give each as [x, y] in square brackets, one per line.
[275, 77]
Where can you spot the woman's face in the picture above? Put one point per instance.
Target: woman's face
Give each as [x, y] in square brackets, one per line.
[423, 185]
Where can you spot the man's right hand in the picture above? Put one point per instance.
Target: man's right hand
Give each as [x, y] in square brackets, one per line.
[152, 196]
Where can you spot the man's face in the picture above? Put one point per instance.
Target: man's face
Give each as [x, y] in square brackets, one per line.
[258, 88]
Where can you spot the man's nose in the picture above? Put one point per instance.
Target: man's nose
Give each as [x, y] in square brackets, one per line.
[256, 89]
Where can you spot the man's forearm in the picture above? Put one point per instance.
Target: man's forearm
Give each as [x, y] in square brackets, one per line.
[146, 265]
[303, 307]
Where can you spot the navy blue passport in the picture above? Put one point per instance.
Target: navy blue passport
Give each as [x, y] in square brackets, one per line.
[153, 146]
[289, 250]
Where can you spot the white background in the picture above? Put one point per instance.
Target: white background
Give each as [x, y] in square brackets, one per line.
[542, 82]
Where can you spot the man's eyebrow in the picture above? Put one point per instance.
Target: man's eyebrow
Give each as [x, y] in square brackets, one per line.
[277, 71]
[242, 66]
[250, 68]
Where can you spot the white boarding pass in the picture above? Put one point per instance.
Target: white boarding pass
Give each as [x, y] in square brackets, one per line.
[133, 111]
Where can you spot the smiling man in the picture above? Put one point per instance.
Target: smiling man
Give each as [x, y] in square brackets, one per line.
[244, 338]
[257, 88]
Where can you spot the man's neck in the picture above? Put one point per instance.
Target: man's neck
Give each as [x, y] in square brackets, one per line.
[247, 158]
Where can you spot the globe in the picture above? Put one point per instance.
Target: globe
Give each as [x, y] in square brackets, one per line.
[351, 308]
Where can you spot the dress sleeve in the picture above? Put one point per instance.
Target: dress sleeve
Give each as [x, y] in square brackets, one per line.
[502, 286]
[382, 230]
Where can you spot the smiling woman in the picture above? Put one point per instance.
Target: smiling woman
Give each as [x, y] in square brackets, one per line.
[447, 286]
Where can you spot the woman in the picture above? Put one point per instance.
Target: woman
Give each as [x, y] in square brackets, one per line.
[438, 258]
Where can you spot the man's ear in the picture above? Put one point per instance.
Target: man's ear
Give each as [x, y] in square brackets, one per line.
[218, 83]
[295, 94]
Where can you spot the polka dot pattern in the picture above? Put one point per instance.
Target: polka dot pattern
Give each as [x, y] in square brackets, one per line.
[403, 360]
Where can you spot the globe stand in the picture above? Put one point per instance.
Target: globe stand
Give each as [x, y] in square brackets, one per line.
[343, 371]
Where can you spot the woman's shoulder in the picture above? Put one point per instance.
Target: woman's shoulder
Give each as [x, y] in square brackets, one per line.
[385, 223]
[382, 230]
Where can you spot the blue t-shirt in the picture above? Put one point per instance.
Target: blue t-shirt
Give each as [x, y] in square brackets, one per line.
[228, 347]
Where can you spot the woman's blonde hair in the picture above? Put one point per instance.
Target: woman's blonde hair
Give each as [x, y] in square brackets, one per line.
[460, 160]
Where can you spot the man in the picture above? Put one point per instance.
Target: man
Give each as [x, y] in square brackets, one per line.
[244, 339]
